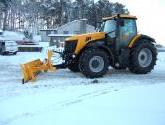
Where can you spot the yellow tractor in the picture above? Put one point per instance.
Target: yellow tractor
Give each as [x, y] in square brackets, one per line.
[116, 44]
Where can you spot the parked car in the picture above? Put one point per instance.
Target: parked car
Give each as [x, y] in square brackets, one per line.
[7, 46]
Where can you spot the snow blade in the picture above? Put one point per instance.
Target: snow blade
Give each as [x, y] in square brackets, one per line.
[31, 69]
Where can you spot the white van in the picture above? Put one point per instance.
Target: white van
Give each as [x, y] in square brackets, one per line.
[7, 46]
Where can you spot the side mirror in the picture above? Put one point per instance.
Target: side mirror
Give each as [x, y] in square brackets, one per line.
[121, 22]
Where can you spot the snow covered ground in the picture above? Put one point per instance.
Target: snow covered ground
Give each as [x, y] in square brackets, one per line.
[66, 98]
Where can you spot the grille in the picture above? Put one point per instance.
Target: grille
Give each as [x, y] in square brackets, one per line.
[70, 46]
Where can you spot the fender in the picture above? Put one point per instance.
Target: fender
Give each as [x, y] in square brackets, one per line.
[139, 37]
[101, 45]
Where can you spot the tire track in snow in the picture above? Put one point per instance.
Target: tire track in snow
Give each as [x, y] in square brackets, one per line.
[60, 105]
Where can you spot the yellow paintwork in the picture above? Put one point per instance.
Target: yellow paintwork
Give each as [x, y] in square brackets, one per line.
[85, 38]
[31, 69]
[134, 40]
[120, 16]
[94, 36]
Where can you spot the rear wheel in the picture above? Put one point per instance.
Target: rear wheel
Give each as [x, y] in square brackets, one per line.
[143, 57]
[94, 63]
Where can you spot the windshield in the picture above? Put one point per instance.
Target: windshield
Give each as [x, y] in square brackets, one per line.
[101, 29]
[108, 26]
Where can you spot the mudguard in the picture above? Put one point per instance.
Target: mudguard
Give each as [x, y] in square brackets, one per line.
[139, 37]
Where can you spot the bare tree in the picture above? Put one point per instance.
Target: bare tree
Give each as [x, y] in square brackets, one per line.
[6, 7]
[32, 15]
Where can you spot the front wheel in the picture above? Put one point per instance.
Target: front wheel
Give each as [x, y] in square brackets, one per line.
[143, 57]
[74, 67]
[94, 63]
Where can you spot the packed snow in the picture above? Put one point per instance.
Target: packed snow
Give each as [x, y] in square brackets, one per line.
[9, 35]
[67, 98]
[17, 36]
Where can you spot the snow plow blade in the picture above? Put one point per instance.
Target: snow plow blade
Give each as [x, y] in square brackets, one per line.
[31, 69]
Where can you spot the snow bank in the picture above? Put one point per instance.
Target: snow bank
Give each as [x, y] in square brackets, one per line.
[37, 38]
[44, 44]
[9, 35]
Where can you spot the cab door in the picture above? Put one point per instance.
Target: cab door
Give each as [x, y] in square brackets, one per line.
[127, 30]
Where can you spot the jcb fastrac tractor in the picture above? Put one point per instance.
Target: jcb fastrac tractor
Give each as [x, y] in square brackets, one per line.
[116, 44]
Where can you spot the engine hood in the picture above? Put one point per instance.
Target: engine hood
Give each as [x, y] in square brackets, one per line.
[90, 36]
[83, 39]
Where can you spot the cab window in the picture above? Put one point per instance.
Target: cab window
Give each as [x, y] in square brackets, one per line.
[127, 31]
[110, 28]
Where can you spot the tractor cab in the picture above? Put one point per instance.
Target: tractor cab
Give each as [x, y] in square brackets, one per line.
[121, 28]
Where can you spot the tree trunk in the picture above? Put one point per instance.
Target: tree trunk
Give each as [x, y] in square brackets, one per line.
[0, 20]
[5, 20]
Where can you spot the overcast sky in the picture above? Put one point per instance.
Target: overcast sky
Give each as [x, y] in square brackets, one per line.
[151, 16]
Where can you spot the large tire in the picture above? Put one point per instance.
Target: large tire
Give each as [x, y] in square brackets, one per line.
[143, 57]
[74, 67]
[94, 63]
